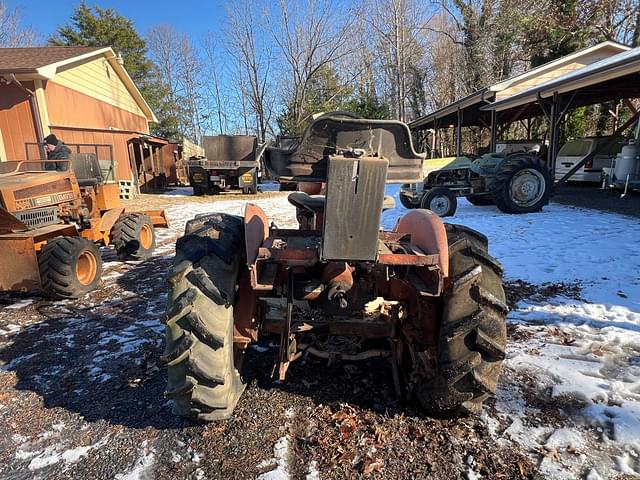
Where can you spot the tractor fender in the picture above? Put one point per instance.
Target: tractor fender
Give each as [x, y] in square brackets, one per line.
[428, 233]
[109, 218]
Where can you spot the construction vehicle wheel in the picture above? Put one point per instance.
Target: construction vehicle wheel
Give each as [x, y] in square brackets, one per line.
[198, 191]
[441, 201]
[523, 185]
[133, 236]
[204, 379]
[407, 202]
[481, 200]
[472, 333]
[69, 267]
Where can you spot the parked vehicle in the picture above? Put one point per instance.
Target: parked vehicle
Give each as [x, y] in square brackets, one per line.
[574, 151]
[51, 223]
[515, 183]
[427, 296]
[231, 162]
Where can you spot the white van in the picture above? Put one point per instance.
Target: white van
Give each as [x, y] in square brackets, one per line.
[574, 151]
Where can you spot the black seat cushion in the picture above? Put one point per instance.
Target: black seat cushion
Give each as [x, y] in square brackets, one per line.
[310, 202]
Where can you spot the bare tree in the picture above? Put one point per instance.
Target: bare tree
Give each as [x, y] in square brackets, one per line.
[247, 43]
[191, 82]
[179, 68]
[214, 70]
[12, 33]
[310, 37]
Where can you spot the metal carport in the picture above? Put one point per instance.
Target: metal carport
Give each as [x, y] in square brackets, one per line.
[614, 78]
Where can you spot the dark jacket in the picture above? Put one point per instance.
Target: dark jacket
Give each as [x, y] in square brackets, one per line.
[61, 152]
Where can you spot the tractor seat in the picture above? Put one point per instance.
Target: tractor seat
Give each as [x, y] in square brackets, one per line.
[315, 203]
[88, 182]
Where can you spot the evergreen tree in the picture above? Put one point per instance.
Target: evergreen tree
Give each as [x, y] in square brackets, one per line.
[100, 27]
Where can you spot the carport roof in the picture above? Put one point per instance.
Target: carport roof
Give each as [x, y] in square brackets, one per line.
[613, 78]
[473, 105]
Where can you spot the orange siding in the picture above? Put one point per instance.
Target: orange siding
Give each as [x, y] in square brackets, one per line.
[69, 107]
[117, 139]
[77, 118]
[16, 120]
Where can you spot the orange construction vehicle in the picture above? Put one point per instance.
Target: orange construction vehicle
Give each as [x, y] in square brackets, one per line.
[53, 217]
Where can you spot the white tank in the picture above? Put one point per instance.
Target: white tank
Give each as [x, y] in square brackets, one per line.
[628, 162]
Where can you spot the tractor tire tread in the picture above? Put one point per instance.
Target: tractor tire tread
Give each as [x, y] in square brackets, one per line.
[203, 381]
[472, 336]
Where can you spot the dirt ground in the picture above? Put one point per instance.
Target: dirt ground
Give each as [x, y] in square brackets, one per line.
[81, 396]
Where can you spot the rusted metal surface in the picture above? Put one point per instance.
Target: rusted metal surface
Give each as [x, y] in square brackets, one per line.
[428, 233]
[289, 256]
[109, 219]
[19, 264]
[158, 218]
[408, 259]
[9, 223]
[109, 196]
[256, 230]
[245, 313]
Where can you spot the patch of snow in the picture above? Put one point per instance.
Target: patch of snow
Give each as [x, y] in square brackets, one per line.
[279, 461]
[19, 304]
[312, 472]
[143, 467]
[49, 456]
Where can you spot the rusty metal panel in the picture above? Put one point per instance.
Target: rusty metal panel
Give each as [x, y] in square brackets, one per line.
[256, 230]
[19, 262]
[355, 192]
[108, 196]
[230, 148]
[158, 218]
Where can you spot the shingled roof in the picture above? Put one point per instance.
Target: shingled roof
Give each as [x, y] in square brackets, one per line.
[32, 58]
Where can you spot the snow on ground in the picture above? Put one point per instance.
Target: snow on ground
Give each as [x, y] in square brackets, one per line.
[581, 353]
[594, 360]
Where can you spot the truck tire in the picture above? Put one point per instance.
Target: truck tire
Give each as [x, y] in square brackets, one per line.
[523, 185]
[440, 200]
[204, 379]
[407, 202]
[472, 332]
[198, 191]
[70, 267]
[133, 236]
[481, 200]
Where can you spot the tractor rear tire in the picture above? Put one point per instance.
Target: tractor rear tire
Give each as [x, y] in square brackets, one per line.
[472, 333]
[523, 185]
[204, 378]
[133, 236]
[481, 200]
[70, 267]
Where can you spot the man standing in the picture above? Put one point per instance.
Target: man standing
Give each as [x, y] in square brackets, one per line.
[56, 150]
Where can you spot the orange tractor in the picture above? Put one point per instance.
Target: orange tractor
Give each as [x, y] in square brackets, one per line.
[53, 216]
[427, 296]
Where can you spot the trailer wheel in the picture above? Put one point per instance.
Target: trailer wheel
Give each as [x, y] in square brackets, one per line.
[523, 185]
[204, 379]
[440, 201]
[133, 236]
[70, 267]
[472, 332]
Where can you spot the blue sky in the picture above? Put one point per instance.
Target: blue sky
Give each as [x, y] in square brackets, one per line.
[189, 16]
